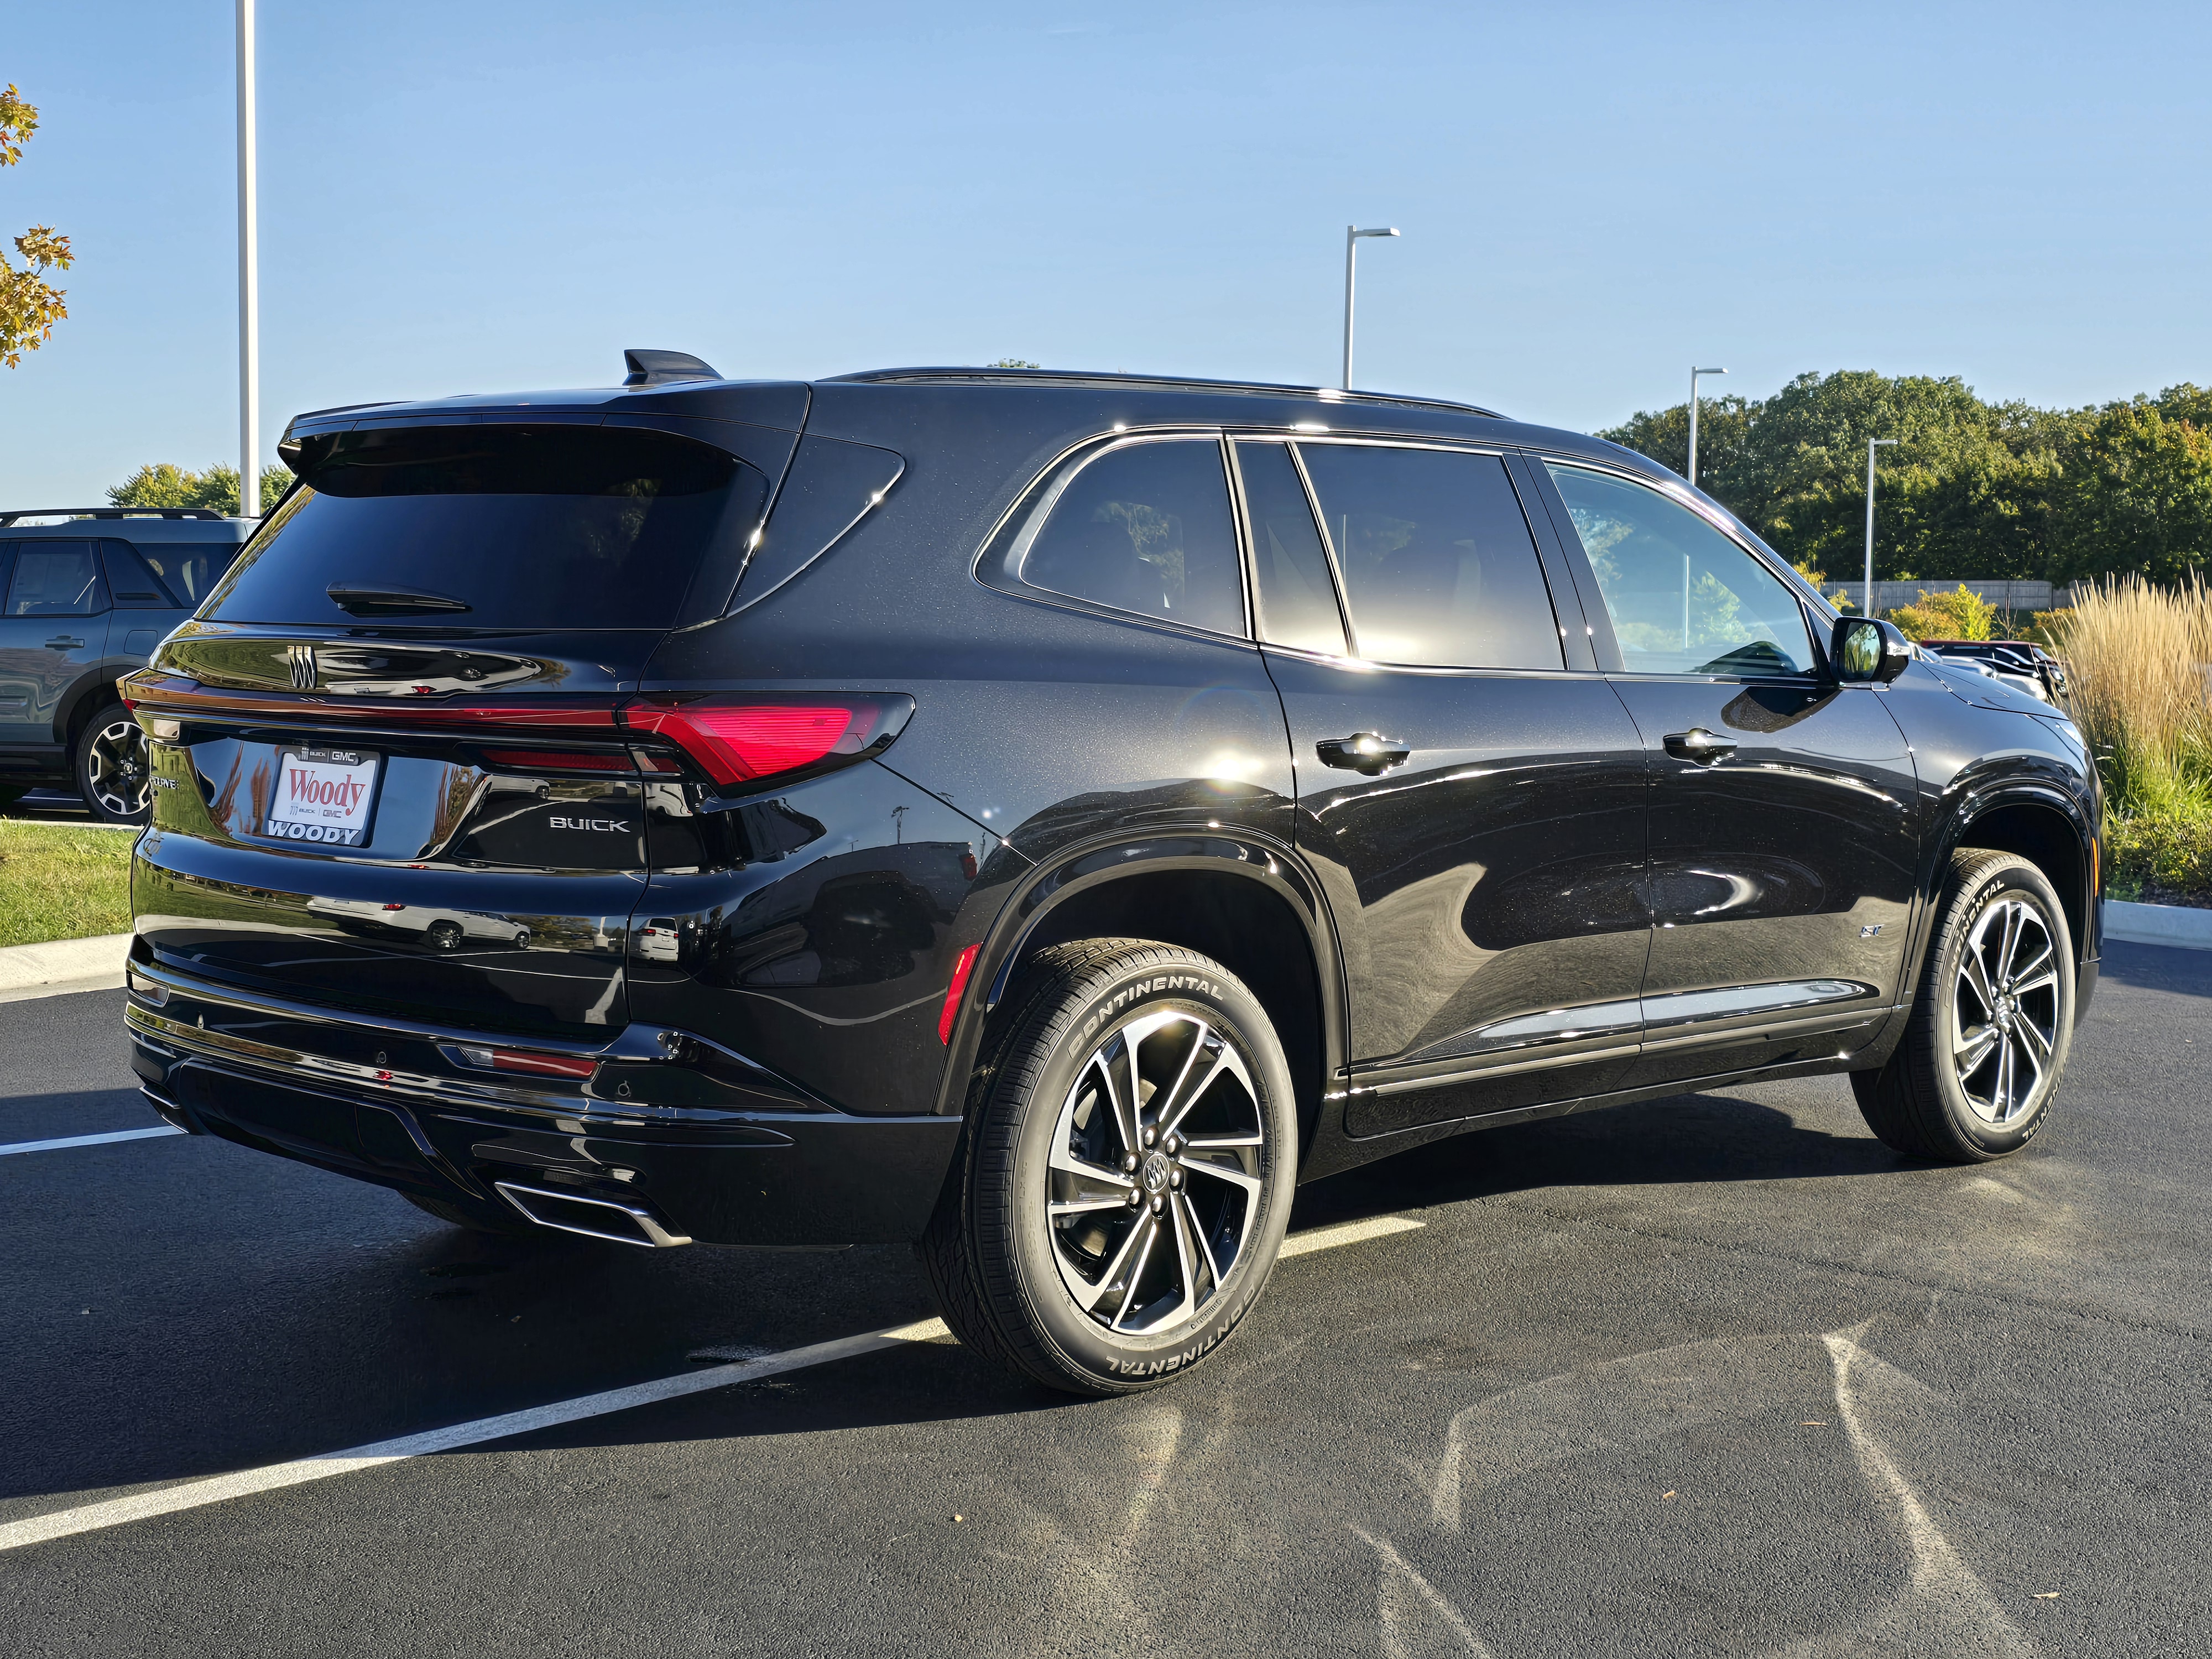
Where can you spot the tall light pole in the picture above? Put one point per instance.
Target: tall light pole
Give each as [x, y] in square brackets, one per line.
[1873, 444]
[249, 293]
[1693, 419]
[1352, 236]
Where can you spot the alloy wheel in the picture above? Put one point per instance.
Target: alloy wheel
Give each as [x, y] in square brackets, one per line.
[119, 773]
[1157, 1175]
[2005, 1012]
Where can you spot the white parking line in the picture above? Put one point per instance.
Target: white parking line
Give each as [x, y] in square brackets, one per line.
[88, 1140]
[1349, 1232]
[197, 1494]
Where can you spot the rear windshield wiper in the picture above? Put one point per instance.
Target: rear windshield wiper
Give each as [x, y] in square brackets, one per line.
[363, 600]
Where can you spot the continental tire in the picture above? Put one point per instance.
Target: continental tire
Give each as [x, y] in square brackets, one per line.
[1131, 1147]
[1991, 1022]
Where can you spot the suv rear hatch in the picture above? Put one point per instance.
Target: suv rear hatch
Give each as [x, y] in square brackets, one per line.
[391, 777]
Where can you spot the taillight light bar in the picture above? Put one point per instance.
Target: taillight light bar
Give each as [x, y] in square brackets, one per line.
[739, 738]
[734, 738]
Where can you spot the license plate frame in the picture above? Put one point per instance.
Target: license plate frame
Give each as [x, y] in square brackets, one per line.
[333, 808]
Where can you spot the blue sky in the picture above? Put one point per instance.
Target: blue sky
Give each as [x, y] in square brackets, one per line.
[478, 195]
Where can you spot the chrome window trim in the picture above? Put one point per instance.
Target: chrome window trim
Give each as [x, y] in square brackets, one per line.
[1031, 511]
[1250, 548]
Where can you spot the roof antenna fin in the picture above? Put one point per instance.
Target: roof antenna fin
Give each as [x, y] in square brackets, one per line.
[648, 367]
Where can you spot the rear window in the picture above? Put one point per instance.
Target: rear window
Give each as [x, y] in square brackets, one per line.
[555, 527]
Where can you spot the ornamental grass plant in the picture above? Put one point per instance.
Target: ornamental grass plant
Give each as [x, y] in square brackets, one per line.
[2140, 657]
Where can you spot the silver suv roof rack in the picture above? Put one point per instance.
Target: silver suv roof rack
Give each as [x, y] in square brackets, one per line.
[7, 518]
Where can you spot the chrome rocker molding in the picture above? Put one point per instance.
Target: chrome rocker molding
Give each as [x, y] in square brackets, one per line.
[656, 1236]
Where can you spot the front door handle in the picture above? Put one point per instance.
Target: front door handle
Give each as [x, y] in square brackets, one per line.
[1364, 752]
[1706, 748]
[63, 642]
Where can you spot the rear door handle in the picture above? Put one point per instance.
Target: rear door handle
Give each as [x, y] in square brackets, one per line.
[63, 642]
[1699, 745]
[1364, 752]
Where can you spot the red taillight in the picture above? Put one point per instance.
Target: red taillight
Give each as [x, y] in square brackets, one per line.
[955, 991]
[736, 739]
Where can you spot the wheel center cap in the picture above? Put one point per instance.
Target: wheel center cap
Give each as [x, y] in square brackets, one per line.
[1156, 1174]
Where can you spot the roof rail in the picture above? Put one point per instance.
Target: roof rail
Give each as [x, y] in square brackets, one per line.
[1164, 382]
[7, 518]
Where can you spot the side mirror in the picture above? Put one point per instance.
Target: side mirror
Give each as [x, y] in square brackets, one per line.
[1868, 651]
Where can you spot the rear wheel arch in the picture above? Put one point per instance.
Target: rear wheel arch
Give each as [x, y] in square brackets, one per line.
[1265, 924]
[91, 694]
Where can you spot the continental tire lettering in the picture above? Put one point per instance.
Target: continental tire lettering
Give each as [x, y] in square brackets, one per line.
[1106, 1010]
[1176, 1362]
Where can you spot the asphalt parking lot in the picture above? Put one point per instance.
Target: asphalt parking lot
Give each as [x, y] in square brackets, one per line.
[1714, 1375]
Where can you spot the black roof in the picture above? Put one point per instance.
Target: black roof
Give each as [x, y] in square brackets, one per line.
[955, 376]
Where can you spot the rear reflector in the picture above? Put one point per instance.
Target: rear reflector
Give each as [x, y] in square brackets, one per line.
[528, 1061]
[736, 739]
[955, 991]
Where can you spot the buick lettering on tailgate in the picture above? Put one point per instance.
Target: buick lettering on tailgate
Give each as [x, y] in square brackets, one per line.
[323, 795]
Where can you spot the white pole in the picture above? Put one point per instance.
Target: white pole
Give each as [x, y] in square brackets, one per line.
[1693, 435]
[1352, 236]
[249, 295]
[1873, 444]
[1351, 259]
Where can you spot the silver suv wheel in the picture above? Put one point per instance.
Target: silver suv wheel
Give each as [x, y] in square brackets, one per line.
[115, 772]
[1155, 1178]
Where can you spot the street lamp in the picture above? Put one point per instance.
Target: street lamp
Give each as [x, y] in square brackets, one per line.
[1873, 444]
[1352, 236]
[249, 296]
[1693, 419]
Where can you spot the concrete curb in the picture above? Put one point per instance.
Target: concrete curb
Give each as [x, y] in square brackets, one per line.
[2177, 925]
[61, 966]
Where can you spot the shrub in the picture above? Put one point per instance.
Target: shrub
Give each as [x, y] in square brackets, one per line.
[2137, 656]
[1961, 615]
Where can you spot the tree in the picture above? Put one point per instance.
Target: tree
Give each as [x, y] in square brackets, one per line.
[1967, 492]
[163, 483]
[1961, 615]
[29, 305]
[2137, 493]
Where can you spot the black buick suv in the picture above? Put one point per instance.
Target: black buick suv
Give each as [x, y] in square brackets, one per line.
[1047, 818]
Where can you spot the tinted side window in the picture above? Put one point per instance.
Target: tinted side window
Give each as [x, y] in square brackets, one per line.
[1298, 595]
[184, 571]
[56, 579]
[1684, 599]
[1439, 568]
[1146, 528]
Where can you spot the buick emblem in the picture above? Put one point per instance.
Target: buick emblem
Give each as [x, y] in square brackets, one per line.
[302, 660]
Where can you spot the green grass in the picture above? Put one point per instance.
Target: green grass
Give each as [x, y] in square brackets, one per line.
[2161, 854]
[60, 881]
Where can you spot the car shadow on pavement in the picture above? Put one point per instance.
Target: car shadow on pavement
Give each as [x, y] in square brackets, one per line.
[1682, 1139]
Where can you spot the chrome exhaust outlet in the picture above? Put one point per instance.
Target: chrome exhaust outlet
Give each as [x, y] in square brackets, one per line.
[604, 1219]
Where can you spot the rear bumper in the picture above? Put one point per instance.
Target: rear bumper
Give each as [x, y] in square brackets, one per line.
[773, 1178]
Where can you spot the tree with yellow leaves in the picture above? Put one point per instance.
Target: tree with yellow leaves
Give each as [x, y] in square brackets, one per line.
[30, 305]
